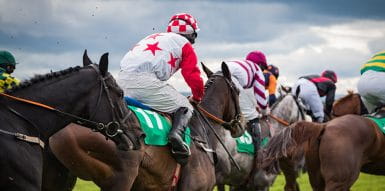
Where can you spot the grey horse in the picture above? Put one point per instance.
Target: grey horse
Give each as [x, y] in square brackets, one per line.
[287, 109]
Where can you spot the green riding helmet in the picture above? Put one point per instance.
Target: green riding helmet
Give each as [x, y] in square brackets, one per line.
[7, 61]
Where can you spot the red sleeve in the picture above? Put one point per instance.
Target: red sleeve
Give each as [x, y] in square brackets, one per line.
[191, 72]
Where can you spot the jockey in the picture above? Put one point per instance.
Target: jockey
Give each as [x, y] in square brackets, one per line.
[7, 66]
[370, 85]
[145, 69]
[248, 76]
[312, 88]
[271, 76]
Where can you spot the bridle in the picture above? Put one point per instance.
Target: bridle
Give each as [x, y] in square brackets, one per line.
[111, 129]
[236, 121]
[282, 121]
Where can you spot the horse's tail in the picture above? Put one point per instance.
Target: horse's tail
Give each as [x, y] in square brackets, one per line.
[289, 141]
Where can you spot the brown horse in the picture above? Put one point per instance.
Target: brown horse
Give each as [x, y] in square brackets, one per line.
[93, 158]
[336, 151]
[349, 104]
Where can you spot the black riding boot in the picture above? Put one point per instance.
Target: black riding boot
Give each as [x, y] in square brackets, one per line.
[179, 148]
[255, 132]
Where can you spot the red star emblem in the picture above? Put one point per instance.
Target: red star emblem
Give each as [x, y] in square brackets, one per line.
[153, 47]
[172, 60]
[153, 36]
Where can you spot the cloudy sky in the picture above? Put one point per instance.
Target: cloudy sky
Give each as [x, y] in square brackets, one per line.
[299, 36]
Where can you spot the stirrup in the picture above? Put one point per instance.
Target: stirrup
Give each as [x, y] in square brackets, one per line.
[184, 147]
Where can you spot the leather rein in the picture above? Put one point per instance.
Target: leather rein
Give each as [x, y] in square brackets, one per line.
[111, 129]
[226, 124]
[282, 121]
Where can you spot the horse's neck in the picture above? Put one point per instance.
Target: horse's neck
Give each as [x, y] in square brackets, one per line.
[287, 109]
[47, 121]
[201, 128]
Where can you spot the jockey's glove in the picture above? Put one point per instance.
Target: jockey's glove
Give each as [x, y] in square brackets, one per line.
[265, 112]
[193, 101]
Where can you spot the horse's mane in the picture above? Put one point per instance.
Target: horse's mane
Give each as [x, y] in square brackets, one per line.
[40, 78]
[350, 94]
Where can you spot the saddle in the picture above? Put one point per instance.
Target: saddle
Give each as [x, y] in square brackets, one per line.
[378, 117]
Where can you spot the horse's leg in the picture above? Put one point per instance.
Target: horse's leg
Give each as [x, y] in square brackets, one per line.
[290, 171]
[220, 187]
[340, 159]
[198, 174]
[313, 166]
[125, 176]
[56, 177]
[90, 156]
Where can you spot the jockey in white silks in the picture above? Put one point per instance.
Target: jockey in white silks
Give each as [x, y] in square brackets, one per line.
[145, 69]
[312, 88]
[248, 76]
[370, 86]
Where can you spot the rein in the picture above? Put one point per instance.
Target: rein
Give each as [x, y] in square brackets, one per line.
[111, 128]
[279, 120]
[80, 120]
[227, 125]
[236, 120]
[219, 121]
[282, 121]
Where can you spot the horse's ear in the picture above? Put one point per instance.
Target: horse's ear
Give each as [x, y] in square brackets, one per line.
[86, 60]
[297, 91]
[226, 71]
[206, 70]
[103, 64]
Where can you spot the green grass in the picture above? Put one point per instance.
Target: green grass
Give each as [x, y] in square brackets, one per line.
[364, 183]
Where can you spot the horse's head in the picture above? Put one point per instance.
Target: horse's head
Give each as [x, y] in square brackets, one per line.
[349, 104]
[104, 103]
[284, 90]
[222, 98]
[286, 110]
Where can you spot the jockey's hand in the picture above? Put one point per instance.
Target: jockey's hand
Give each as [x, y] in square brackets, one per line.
[265, 112]
[193, 101]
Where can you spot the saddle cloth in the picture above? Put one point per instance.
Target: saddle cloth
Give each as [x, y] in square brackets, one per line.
[379, 118]
[155, 126]
[380, 123]
[245, 143]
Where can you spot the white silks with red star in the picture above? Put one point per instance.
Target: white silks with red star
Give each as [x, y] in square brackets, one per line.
[163, 54]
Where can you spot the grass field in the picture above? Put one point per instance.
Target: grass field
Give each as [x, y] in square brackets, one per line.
[365, 183]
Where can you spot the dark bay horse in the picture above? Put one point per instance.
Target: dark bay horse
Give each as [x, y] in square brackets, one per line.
[336, 151]
[286, 108]
[43, 105]
[152, 167]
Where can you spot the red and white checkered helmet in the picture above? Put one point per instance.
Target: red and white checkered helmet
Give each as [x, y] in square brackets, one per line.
[183, 23]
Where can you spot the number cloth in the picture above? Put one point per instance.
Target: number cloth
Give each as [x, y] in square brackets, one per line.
[156, 127]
